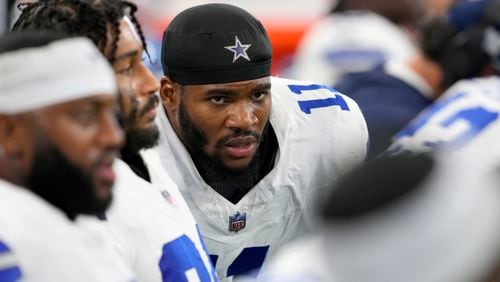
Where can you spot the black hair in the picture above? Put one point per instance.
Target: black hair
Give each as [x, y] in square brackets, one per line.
[21, 40]
[459, 51]
[89, 18]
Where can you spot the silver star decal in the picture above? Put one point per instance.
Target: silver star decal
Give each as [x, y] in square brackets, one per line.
[239, 50]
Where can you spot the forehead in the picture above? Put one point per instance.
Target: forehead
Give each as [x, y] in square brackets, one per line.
[129, 40]
[239, 86]
[99, 100]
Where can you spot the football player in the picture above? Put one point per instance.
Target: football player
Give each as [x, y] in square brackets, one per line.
[250, 153]
[403, 218]
[354, 37]
[154, 229]
[392, 94]
[59, 137]
[465, 118]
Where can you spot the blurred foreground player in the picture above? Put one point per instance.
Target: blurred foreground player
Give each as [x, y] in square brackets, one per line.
[154, 229]
[58, 139]
[403, 219]
[250, 153]
[391, 95]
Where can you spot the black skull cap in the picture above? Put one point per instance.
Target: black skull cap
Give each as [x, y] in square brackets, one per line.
[215, 43]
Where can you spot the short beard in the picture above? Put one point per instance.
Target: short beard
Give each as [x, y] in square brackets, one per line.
[63, 184]
[139, 138]
[231, 183]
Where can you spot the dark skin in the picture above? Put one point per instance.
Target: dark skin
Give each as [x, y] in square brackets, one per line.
[85, 131]
[135, 80]
[221, 112]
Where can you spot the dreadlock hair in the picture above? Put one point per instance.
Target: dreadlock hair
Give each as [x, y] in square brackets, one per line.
[89, 18]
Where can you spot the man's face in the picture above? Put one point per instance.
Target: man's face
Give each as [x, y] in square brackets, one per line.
[138, 89]
[75, 144]
[223, 121]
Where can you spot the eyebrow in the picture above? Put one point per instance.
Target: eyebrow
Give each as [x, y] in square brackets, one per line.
[222, 91]
[129, 54]
[262, 87]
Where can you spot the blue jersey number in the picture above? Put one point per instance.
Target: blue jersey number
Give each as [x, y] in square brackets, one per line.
[477, 118]
[181, 261]
[8, 272]
[248, 262]
[308, 105]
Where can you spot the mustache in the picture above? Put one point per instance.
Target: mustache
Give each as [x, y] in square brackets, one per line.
[239, 133]
[153, 101]
[107, 157]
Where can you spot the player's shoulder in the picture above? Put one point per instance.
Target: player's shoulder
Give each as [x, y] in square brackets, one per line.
[319, 113]
[26, 206]
[132, 197]
[371, 80]
[308, 95]
[483, 87]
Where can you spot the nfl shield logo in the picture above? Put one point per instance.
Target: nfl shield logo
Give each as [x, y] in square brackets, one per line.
[237, 221]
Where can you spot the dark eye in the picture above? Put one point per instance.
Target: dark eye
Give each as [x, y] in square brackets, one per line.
[125, 71]
[259, 96]
[218, 100]
[85, 116]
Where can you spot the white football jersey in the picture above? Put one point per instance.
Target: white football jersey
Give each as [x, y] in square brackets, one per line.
[433, 234]
[38, 243]
[349, 42]
[155, 232]
[321, 134]
[464, 120]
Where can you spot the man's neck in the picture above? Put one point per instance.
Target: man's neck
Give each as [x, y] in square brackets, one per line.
[10, 174]
[429, 71]
[134, 160]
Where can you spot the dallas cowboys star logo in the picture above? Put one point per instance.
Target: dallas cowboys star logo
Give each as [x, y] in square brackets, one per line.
[239, 50]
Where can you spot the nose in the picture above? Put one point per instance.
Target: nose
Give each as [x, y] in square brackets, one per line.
[149, 84]
[110, 134]
[241, 116]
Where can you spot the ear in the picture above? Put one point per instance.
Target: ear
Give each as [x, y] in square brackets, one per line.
[170, 94]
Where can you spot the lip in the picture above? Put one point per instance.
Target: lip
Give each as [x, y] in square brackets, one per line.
[105, 172]
[151, 114]
[241, 147]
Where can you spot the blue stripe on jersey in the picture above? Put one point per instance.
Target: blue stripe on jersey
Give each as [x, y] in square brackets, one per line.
[213, 259]
[10, 274]
[350, 57]
[180, 256]
[248, 261]
[3, 248]
[425, 116]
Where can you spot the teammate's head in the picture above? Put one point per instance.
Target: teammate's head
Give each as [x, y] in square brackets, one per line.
[414, 219]
[404, 11]
[58, 129]
[113, 27]
[464, 40]
[216, 89]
